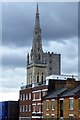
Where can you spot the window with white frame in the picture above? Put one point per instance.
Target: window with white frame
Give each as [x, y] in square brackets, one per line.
[47, 104]
[34, 108]
[71, 103]
[52, 117]
[39, 107]
[29, 96]
[71, 117]
[20, 97]
[23, 96]
[53, 106]
[23, 108]
[40, 95]
[26, 96]
[20, 108]
[47, 117]
[29, 107]
[26, 108]
[34, 96]
[44, 93]
[37, 95]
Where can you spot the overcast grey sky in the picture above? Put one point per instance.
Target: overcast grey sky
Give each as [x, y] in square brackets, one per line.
[59, 25]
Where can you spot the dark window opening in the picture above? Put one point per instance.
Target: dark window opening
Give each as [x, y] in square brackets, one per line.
[39, 57]
[61, 108]
[42, 78]
[50, 68]
[38, 77]
[36, 32]
[79, 104]
[50, 55]
[38, 49]
[50, 61]
[70, 117]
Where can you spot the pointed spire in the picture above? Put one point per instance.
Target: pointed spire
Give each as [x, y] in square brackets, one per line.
[37, 11]
[37, 22]
[36, 51]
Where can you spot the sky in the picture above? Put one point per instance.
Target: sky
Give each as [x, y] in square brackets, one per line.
[59, 25]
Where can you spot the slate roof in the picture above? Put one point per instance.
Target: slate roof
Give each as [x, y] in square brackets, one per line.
[78, 93]
[55, 93]
[71, 92]
[64, 92]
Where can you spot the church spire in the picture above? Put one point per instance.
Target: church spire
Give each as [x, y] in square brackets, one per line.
[37, 21]
[37, 11]
[37, 42]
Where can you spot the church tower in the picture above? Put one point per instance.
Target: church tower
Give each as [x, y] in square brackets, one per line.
[40, 64]
[36, 66]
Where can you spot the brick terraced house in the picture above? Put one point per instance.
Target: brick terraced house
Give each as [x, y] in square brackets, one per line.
[34, 101]
[25, 103]
[63, 103]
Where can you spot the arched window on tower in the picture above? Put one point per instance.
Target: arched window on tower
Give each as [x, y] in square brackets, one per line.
[31, 57]
[31, 78]
[38, 49]
[39, 56]
[37, 77]
[42, 78]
